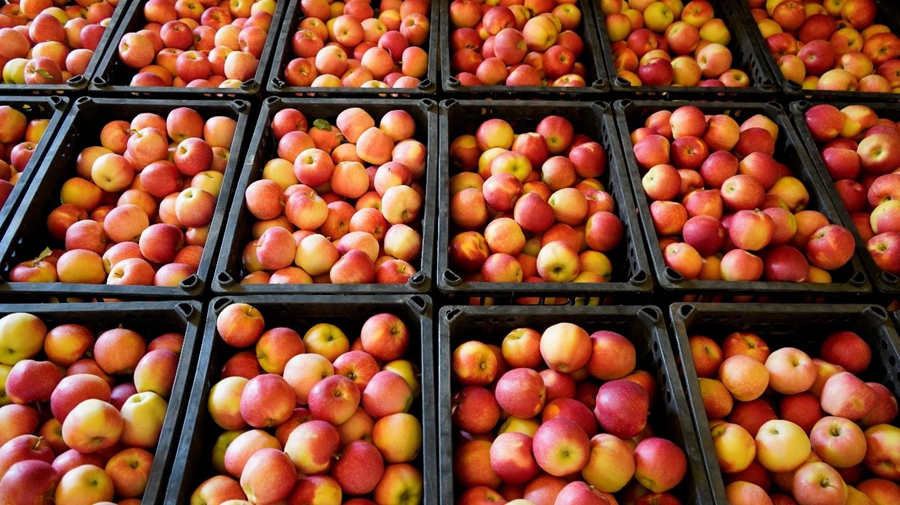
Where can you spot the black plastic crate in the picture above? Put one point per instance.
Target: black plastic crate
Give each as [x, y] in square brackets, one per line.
[26, 235]
[802, 326]
[596, 63]
[199, 432]
[644, 326]
[631, 279]
[887, 15]
[113, 78]
[52, 108]
[849, 283]
[150, 320]
[293, 15]
[229, 268]
[745, 56]
[76, 84]
[884, 282]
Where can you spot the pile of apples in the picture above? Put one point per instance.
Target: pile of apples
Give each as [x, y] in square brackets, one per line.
[341, 203]
[82, 411]
[725, 208]
[667, 43]
[197, 43]
[529, 44]
[47, 42]
[861, 153]
[558, 417]
[528, 206]
[19, 137]
[347, 45]
[833, 45]
[314, 416]
[138, 207]
[810, 426]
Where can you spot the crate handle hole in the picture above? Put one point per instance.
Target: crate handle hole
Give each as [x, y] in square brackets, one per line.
[621, 81]
[450, 314]
[186, 309]
[650, 313]
[858, 279]
[685, 310]
[452, 278]
[417, 303]
[672, 275]
[639, 277]
[225, 279]
[417, 280]
[775, 106]
[878, 312]
[189, 283]
[220, 303]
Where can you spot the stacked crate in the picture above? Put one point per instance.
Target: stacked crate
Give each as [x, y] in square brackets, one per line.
[450, 254]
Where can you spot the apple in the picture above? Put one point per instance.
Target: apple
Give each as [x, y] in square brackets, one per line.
[830, 247]
[883, 249]
[531, 396]
[659, 464]
[472, 464]
[334, 399]
[32, 381]
[560, 447]
[791, 370]
[565, 347]
[610, 465]
[683, 259]
[73, 389]
[820, 482]
[512, 458]
[93, 425]
[838, 441]
[268, 476]
[143, 415]
[387, 393]
[852, 407]
[65, 344]
[30, 481]
[734, 446]
[266, 400]
[744, 376]
[622, 407]
[359, 468]
[662, 182]
[881, 444]
[782, 446]
[885, 409]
